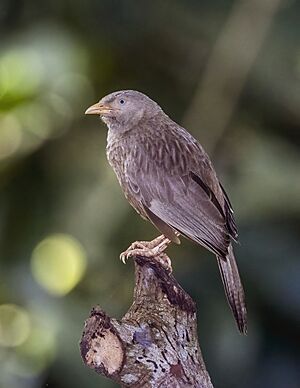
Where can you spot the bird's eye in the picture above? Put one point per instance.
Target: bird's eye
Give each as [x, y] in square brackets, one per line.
[122, 101]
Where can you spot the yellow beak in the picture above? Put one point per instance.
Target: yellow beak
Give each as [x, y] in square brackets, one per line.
[98, 109]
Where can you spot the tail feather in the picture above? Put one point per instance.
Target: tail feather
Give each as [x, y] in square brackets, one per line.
[233, 289]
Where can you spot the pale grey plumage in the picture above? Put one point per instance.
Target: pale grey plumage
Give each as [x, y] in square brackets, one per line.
[168, 178]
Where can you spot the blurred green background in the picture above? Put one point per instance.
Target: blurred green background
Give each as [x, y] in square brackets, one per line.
[227, 70]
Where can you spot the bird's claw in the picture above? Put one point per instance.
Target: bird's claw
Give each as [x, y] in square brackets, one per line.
[154, 248]
[123, 257]
[137, 250]
[133, 250]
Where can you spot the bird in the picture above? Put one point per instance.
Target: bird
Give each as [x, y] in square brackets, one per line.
[169, 179]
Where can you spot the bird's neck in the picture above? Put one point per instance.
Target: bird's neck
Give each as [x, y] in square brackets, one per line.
[117, 132]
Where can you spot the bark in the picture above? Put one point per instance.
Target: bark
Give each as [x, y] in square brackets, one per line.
[155, 344]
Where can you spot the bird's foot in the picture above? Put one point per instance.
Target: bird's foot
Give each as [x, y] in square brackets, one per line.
[154, 249]
[164, 261]
[148, 244]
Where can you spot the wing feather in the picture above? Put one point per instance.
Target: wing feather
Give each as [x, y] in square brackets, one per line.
[179, 186]
[177, 190]
[183, 205]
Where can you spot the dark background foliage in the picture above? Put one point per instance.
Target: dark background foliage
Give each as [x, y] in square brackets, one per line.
[227, 70]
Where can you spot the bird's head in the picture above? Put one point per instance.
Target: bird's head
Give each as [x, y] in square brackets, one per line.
[124, 109]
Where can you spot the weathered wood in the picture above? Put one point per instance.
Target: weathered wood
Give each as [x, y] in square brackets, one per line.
[155, 344]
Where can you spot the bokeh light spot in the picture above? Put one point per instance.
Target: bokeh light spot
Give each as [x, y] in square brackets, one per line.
[36, 353]
[58, 263]
[10, 136]
[14, 325]
[20, 72]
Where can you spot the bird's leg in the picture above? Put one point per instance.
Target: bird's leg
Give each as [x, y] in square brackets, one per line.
[161, 245]
[146, 244]
[154, 248]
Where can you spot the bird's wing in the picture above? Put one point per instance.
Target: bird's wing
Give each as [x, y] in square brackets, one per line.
[231, 225]
[178, 189]
[182, 194]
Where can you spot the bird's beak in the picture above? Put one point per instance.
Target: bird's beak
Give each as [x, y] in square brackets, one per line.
[98, 109]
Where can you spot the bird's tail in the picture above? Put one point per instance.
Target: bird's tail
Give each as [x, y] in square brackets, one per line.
[233, 289]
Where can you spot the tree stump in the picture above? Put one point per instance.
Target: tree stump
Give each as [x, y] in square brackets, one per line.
[155, 344]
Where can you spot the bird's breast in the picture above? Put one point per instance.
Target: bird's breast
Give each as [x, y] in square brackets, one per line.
[120, 155]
